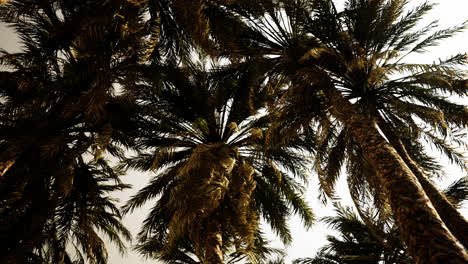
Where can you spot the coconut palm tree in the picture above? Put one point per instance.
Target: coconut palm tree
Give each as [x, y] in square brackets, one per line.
[347, 71]
[215, 176]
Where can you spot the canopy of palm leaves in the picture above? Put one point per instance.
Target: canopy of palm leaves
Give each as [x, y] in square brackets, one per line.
[87, 213]
[203, 135]
[370, 242]
[217, 158]
[348, 68]
[58, 101]
[185, 253]
[303, 38]
[56, 106]
[358, 243]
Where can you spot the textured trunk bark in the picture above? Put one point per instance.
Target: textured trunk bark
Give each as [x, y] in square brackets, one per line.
[452, 218]
[214, 244]
[428, 239]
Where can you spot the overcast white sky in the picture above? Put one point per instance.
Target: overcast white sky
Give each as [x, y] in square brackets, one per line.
[306, 243]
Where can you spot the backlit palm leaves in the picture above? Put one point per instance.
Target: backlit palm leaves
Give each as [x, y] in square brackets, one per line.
[358, 243]
[184, 254]
[337, 82]
[84, 215]
[348, 76]
[369, 242]
[204, 136]
[56, 107]
[175, 28]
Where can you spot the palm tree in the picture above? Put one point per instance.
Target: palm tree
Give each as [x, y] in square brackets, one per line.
[84, 215]
[343, 68]
[357, 243]
[185, 254]
[203, 135]
[40, 231]
[57, 104]
[370, 242]
[61, 93]
[422, 167]
[64, 76]
[175, 29]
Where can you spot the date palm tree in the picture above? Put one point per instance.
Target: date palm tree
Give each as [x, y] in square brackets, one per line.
[347, 70]
[175, 29]
[184, 253]
[65, 73]
[57, 103]
[84, 216]
[370, 242]
[61, 214]
[357, 243]
[215, 176]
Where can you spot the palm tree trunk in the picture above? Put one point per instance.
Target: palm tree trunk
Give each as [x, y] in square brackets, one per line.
[428, 239]
[455, 222]
[214, 244]
[452, 218]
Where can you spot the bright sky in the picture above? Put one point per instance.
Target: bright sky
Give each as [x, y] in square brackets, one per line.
[306, 243]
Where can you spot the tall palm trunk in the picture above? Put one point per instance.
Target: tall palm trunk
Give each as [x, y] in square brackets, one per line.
[210, 249]
[214, 242]
[452, 218]
[428, 239]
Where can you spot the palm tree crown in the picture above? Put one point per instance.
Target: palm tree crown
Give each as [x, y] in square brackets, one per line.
[203, 134]
[348, 76]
